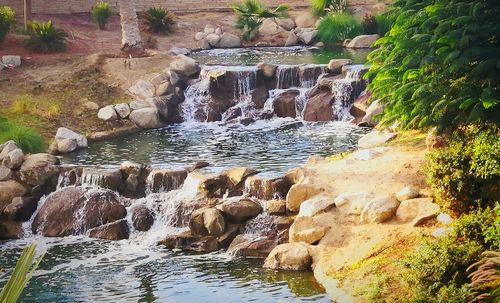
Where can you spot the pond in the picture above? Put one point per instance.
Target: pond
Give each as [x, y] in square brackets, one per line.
[278, 55]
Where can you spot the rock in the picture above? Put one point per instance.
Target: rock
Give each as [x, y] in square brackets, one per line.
[320, 108]
[40, 169]
[286, 23]
[198, 165]
[276, 207]
[185, 66]
[107, 113]
[352, 203]
[247, 246]
[380, 209]
[20, 209]
[375, 138]
[114, 231]
[11, 60]
[10, 230]
[268, 70]
[74, 210]
[163, 180]
[6, 148]
[335, 65]
[285, 105]
[142, 218]
[307, 36]
[260, 96]
[375, 109]
[187, 240]
[204, 44]
[123, 110]
[143, 89]
[180, 51]
[270, 28]
[299, 193]
[319, 44]
[292, 39]
[91, 105]
[207, 221]
[139, 104]
[315, 205]
[229, 41]
[305, 20]
[14, 159]
[199, 36]
[289, 256]
[363, 41]
[213, 39]
[65, 146]
[238, 175]
[239, 209]
[5, 173]
[417, 211]
[407, 193]
[209, 29]
[232, 231]
[146, 118]
[304, 229]
[8, 191]
[67, 140]
[165, 88]
[267, 188]
[110, 178]
[131, 168]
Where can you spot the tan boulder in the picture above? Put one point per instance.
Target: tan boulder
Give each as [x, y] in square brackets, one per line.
[335, 65]
[276, 207]
[267, 188]
[407, 193]
[8, 191]
[289, 256]
[270, 28]
[380, 209]
[305, 20]
[316, 205]
[299, 193]
[363, 41]
[286, 23]
[237, 175]
[352, 203]
[304, 229]
[239, 209]
[417, 211]
[207, 221]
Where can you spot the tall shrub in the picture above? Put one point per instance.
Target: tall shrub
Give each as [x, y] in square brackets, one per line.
[45, 37]
[27, 138]
[101, 14]
[335, 28]
[7, 20]
[251, 14]
[438, 66]
[158, 20]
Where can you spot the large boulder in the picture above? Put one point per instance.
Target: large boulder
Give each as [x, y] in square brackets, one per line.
[5, 173]
[14, 159]
[8, 191]
[123, 110]
[286, 23]
[10, 230]
[163, 180]
[335, 65]
[363, 41]
[21, 209]
[268, 70]
[320, 107]
[276, 207]
[299, 193]
[113, 231]
[292, 39]
[417, 211]
[375, 138]
[64, 135]
[107, 113]
[239, 209]
[74, 210]
[6, 148]
[252, 247]
[289, 256]
[238, 175]
[305, 20]
[213, 39]
[229, 41]
[285, 105]
[142, 89]
[40, 169]
[374, 109]
[380, 209]
[267, 188]
[307, 35]
[207, 221]
[146, 118]
[304, 229]
[185, 66]
[260, 96]
[316, 205]
[269, 28]
[352, 203]
[407, 193]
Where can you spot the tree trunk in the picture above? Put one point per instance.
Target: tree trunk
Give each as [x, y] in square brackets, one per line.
[131, 35]
[27, 13]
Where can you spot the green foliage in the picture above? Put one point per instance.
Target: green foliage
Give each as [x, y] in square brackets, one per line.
[27, 139]
[7, 20]
[466, 174]
[437, 270]
[322, 7]
[158, 20]
[335, 28]
[251, 13]
[369, 24]
[45, 37]
[438, 65]
[101, 14]
[22, 273]
[384, 22]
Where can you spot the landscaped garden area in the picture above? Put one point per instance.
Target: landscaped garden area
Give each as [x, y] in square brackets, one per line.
[183, 151]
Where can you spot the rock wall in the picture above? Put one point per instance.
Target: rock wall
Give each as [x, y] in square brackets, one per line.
[84, 6]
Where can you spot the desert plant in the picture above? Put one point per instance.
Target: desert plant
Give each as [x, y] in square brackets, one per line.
[22, 273]
[28, 139]
[251, 14]
[485, 278]
[465, 175]
[322, 7]
[158, 20]
[369, 24]
[438, 66]
[101, 14]
[7, 20]
[45, 37]
[335, 28]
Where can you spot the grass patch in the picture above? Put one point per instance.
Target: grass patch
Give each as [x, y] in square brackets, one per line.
[410, 138]
[26, 138]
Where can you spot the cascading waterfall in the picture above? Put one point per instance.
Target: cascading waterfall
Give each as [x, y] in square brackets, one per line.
[197, 97]
[342, 90]
[299, 76]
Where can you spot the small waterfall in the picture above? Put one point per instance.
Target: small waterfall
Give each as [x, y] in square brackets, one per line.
[354, 72]
[164, 180]
[342, 90]
[92, 180]
[246, 81]
[260, 226]
[197, 96]
[287, 76]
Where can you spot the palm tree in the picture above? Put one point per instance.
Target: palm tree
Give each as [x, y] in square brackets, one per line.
[131, 35]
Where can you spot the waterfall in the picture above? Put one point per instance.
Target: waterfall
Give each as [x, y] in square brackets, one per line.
[354, 72]
[197, 97]
[342, 90]
[92, 179]
[287, 76]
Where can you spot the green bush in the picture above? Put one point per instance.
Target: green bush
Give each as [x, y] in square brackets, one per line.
[45, 37]
[28, 139]
[251, 13]
[158, 20]
[437, 270]
[438, 66]
[335, 28]
[465, 175]
[369, 24]
[322, 7]
[384, 23]
[101, 14]
[7, 20]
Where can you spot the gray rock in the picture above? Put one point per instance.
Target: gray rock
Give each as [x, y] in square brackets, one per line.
[204, 44]
[91, 105]
[138, 104]
[11, 60]
[165, 88]
[14, 159]
[66, 145]
[380, 209]
[21, 209]
[305, 20]
[287, 23]
[65, 133]
[229, 41]
[185, 66]
[307, 36]
[146, 118]
[218, 31]
[213, 39]
[363, 41]
[5, 173]
[6, 148]
[375, 109]
[142, 89]
[209, 29]
[38, 169]
[180, 51]
[270, 28]
[407, 193]
[123, 110]
[107, 113]
[199, 36]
